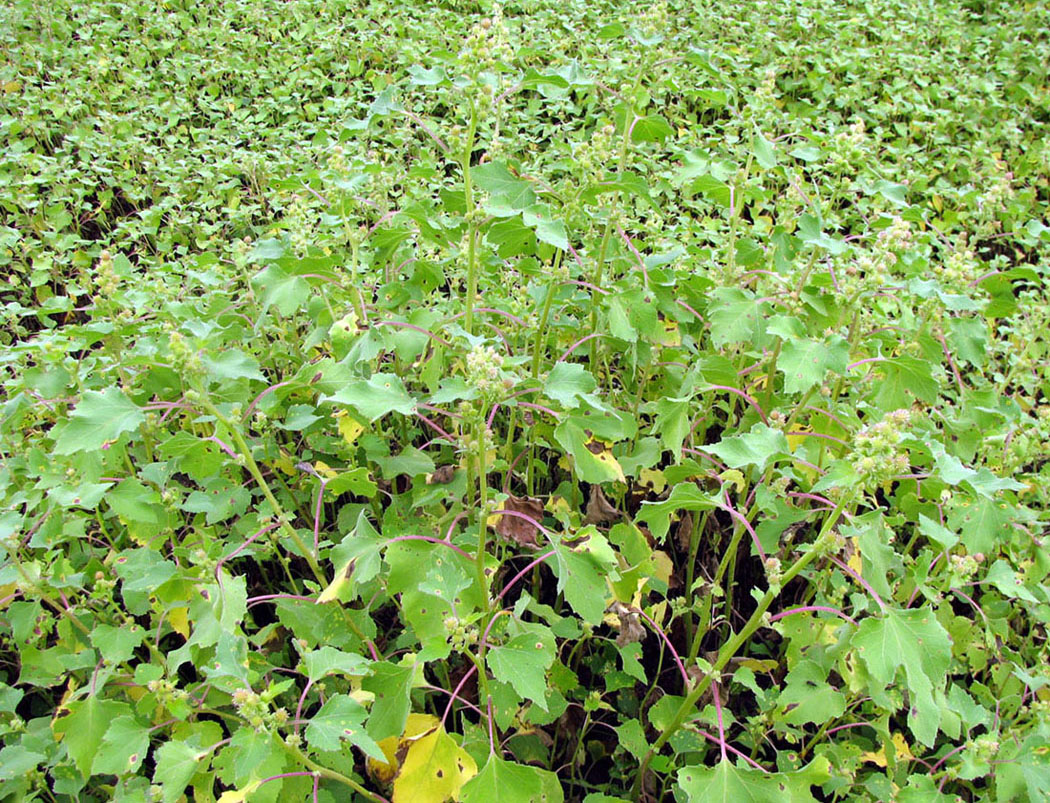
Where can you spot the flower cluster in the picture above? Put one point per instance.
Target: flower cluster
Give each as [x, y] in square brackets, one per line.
[597, 154]
[847, 146]
[485, 369]
[106, 280]
[876, 455]
[300, 225]
[958, 271]
[486, 45]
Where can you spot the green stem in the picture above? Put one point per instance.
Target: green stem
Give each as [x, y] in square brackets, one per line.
[730, 648]
[472, 226]
[483, 487]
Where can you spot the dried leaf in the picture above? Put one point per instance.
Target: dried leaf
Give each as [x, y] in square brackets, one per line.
[442, 476]
[631, 629]
[599, 509]
[517, 529]
[684, 533]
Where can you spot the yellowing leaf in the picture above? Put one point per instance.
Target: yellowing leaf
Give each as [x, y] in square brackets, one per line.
[734, 477]
[395, 747]
[348, 427]
[434, 770]
[285, 464]
[653, 477]
[238, 795]
[794, 441]
[670, 335]
[325, 470]
[178, 619]
[855, 561]
[11, 87]
[6, 591]
[899, 745]
[339, 582]
[757, 665]
[662, 566]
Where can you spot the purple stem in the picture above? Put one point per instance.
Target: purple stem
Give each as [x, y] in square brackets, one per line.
[222, 444]
[588, 285]
[853, 365]
[302, 699]
[258, 398]
[850, 725]
[539, 407]
[467, 703]
[742, 395]
[514, 580]
[864, 583]
[670, 646]
[434, 409]
[267, 597]
[705, 455]
[806, 608]
[638, 256]
[681, 303]
[733, 750]
[740, 517]
[432, 540]
[492, 310]
[945, 757]
[819, 435]
[420, 329]
[435, 427]
[577, 344]
[317, 520]
[718, 715]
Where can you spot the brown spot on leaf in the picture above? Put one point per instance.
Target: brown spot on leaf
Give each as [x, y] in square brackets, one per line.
[442, 476]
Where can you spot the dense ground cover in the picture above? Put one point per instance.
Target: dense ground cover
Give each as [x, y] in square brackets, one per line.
[524, 403]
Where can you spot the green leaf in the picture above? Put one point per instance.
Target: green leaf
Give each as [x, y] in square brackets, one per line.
[808, 697]
[758, 447]
[375, 397]
[232, 364]
[117, 644]
[392, 686]
[411, 461]
[902, 376]
[523, 661]
[684, 496]
[582, 571]
[176, 764]
[124, 745]
[341, 718]
[672, 422]
[912, 640]
[765, 153]
[326, 660]
[277, 289]
[99, 419]
[729, 784]
[568, 382]
[82, 724]
[552, 232]
[651, 128]
[736, 317]
[804, 361]
[506, 189]
[504, 781]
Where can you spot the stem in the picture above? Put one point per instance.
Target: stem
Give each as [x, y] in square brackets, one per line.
[472, 226]
[324, 772]
[730, 648]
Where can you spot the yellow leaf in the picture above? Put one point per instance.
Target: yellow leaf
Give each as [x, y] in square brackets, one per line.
[794, 441]
[855, 562]
[899, 745]
[179, 620]
[339, 582]
[395, 747]
[735, 478]
[670, 336]
[6, 591]
[12, 86]
[662, 566]
[654, 478]
[434, 770]
[238, 795]
[325, 470]
[349, 427]
[756, 665]
[285, 464]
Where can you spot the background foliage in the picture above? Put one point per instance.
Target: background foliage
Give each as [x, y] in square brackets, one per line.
[558, 401]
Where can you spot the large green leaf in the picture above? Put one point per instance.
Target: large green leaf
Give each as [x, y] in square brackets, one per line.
[914, 641]
[82, 725]
[341, 718]
[523, 660]
[582, 570]
[758, 447]
[506, 782]
[100, 418]
[376, 396]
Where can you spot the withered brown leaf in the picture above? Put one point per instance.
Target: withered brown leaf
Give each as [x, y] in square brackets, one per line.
[443, 475]
[517, 529]
[599, 509]
[631, 629]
